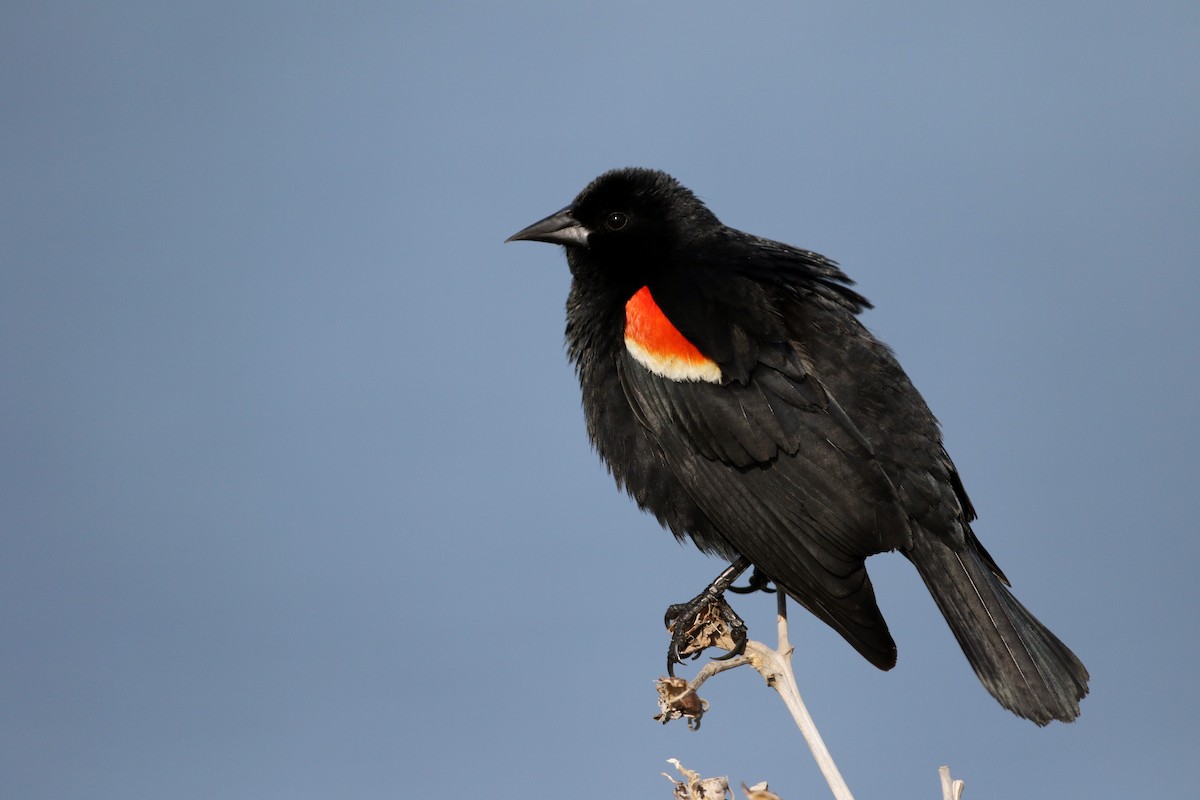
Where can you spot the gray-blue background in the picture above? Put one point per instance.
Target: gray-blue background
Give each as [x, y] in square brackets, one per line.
[295, 496]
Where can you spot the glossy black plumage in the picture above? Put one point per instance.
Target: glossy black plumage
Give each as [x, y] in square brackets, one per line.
[811, 452]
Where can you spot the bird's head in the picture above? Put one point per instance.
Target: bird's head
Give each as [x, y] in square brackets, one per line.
[634, 213]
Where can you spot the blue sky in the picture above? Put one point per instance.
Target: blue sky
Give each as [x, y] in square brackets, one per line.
[295, 497]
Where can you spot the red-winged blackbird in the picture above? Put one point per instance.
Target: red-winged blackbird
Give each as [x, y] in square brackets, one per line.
[733, 392]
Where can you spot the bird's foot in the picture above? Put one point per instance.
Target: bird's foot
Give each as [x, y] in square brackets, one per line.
[758, 583]
[705, 621]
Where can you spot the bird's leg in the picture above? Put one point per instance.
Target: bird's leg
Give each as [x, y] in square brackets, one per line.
[758, 583]
[698, 623]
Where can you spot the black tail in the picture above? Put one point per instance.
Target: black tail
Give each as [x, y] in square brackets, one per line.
[1020, 662]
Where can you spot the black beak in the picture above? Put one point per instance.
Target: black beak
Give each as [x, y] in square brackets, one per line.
[558, 228]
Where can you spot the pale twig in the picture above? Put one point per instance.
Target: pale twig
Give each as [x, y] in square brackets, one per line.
[679, 698]
[776, 668]
[951, 789]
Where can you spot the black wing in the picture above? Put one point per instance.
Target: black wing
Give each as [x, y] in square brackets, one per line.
[787, 478]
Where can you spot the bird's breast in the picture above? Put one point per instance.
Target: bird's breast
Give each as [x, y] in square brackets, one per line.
[656, 344]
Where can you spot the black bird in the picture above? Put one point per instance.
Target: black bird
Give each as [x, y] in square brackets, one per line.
[732, 391]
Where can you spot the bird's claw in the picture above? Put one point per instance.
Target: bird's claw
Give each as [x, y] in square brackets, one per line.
[705, 621]
[739, 645]
[758, 583]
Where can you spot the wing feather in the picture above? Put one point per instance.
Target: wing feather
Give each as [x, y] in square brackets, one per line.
[785, 476]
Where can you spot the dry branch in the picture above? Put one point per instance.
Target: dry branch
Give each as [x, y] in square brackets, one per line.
[678, 698]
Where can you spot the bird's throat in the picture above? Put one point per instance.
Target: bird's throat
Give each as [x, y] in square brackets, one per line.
[656, 344]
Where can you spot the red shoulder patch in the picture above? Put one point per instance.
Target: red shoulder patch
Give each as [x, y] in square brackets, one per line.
[658, 345]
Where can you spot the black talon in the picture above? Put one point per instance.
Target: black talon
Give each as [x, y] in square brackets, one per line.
[758, 583]
[739, 640]
[673, 611]
[685, 622]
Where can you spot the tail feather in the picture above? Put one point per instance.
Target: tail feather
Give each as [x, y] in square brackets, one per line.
[1016, 657]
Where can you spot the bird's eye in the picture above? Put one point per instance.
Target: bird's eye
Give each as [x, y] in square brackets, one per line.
[616, 221]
